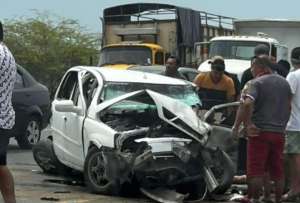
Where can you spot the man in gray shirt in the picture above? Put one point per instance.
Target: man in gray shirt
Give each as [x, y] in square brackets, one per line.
[264, 111]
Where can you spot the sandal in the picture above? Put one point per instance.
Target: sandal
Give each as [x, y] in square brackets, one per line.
[289, 197]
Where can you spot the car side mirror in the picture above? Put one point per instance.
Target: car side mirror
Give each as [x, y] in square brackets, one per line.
[67, 106]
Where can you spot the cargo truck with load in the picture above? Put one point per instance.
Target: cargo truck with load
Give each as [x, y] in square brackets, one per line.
[146, 33]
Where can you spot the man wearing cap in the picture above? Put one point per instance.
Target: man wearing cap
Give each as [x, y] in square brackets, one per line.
[215, 87]
[7, 117]
[292, 139]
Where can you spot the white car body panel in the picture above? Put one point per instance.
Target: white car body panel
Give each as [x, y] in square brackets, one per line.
[182, 111]
[98, 133]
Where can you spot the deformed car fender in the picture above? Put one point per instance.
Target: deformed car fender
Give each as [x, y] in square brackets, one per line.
[92, 142]
[97, 133]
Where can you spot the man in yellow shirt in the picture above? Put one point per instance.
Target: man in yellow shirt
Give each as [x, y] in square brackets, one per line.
[215, 87]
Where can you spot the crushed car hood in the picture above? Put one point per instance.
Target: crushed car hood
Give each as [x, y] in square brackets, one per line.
[170, 110]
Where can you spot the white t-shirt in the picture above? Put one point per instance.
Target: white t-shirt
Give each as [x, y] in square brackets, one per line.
[294, 80]
[7, 81]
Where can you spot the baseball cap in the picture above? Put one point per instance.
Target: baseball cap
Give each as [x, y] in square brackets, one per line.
[295, 56]
[217, 63]
[261, 49]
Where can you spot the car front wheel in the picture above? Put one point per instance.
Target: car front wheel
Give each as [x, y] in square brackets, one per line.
[32, 134]
[95, 174]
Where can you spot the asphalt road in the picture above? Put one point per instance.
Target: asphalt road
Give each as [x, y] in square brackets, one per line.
[33, 186]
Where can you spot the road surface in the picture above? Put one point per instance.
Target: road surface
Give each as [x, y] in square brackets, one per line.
[33, 186]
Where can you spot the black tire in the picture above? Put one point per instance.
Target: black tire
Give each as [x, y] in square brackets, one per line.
[32, 133]
[44, 156]
[93, 170]
[223, 170]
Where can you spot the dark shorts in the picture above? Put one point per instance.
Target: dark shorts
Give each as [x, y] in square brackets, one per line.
[265, 154]
[4, 140]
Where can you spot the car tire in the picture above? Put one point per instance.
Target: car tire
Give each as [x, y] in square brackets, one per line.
[32, 133]
[44, 156]
[94, 174]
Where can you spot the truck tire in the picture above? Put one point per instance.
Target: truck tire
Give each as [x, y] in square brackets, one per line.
[45, 157]
[94, 174]
[32, 133]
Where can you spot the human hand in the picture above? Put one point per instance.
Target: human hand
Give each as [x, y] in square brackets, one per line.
[235, 132]
[252, 130]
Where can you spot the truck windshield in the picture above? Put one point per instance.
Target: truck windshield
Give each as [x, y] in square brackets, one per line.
[125, 55]
[233, 49]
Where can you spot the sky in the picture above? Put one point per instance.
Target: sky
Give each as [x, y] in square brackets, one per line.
[87, 12]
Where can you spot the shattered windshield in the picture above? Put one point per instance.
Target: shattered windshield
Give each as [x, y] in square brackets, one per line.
[125, 55]
[184, 93]
[233, 49]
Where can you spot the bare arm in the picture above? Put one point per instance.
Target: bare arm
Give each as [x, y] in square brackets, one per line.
[244, 114]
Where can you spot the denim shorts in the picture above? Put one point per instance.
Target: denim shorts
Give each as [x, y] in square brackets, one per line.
[4, 140]
[292, 142]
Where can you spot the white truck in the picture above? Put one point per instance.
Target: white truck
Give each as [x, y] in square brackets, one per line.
[238, 50]
[282, 36]
[285, 31]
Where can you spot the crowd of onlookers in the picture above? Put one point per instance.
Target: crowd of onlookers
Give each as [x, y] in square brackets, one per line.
[267, 121]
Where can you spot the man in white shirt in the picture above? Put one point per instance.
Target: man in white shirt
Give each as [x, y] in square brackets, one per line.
[7, 117]
[292, 140]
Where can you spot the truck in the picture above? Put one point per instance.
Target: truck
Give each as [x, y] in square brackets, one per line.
[285, 31]
[282, 36]
[147, 33]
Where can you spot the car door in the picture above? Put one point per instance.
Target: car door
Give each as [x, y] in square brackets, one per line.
[67, 125]
[21, 100]
[82, 98]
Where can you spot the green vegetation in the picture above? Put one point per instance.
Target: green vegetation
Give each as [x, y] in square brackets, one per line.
[47, 46]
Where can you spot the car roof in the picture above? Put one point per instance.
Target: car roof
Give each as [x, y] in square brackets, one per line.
[187, 69]
[114, 75]
[158, 69]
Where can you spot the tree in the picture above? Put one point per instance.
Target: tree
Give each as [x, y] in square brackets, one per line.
[48, 47]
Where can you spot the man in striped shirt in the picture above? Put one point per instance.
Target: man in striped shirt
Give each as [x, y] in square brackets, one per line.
[7, 117]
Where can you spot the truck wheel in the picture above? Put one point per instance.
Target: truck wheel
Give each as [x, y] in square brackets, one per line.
[95, 174]
[45, 157]
[32, 134]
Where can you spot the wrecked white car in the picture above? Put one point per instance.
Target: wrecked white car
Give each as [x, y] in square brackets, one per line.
[132, 128]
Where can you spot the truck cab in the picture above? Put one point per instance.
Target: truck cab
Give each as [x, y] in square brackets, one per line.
[126, 54]
[237, 51]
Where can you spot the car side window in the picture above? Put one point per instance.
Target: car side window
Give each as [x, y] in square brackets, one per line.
[19, 83]
[89, 86]
[68, 86]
